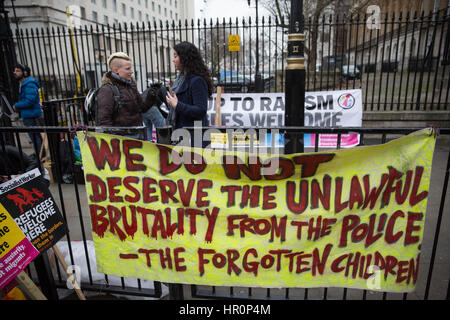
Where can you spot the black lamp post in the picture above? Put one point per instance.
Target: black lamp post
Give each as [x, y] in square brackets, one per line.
[295, 78]
[8, 86]
[259, 85]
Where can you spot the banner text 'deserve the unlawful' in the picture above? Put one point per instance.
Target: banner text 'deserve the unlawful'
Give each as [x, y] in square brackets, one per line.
[219, 218]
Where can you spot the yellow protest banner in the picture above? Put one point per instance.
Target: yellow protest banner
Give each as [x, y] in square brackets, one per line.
[347, 218]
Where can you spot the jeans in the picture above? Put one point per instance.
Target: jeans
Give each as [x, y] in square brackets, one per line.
[36, 138]
[153, 117]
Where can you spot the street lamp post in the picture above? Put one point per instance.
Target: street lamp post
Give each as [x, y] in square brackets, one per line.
[295, 78]
[259, 85]
[7, 55]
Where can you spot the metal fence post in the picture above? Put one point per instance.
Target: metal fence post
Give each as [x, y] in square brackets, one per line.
[295, 78]
[164, 134]
[7, 56]
[51, 120]
[8, 87]
[45, 277]
[176, 291]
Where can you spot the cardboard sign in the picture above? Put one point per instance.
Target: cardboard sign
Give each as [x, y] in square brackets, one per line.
[340, 108]
[16, 251]
[213, 217]
[33, 208]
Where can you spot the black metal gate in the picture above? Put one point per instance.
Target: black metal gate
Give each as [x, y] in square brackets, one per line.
[401, 66]
[434, 275]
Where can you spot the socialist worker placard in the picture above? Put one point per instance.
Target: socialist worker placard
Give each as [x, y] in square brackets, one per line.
[34, 210]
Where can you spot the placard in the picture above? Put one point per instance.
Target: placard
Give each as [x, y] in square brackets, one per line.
[16, 251]
[323, 109]
[214, 217]
[33, 208]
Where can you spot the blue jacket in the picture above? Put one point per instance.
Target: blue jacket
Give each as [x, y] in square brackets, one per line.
[29, 104]
[192, 102]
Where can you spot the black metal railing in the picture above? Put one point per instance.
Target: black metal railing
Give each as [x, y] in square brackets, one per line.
[68, 193]
[401, 66]
[434, 272]
[430, 285]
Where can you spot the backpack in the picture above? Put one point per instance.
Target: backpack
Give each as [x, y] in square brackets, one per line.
[91, 103]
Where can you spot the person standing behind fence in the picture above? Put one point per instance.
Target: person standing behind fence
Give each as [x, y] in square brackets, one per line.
[29, 105]
[153, 116]
[128, 112]
[191, 89]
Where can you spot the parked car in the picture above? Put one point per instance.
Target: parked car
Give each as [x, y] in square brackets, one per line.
[152, 81]
[164, 81]
[269, 81]
[235, 83]
[350, 72]
[244, 84]
[167, 81]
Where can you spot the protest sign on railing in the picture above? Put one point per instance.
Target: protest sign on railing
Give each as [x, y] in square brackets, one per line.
[16, 251]
[34, 210]
[214, 217]
[30, 221]
[339, 108]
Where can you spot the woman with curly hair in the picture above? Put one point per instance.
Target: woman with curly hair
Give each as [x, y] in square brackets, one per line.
[191, 89]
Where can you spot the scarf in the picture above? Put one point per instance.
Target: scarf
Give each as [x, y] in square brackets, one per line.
[117, 77]
[171, 117]
[178, 82]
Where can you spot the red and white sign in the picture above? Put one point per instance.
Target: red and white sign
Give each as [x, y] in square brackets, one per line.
[323, 109]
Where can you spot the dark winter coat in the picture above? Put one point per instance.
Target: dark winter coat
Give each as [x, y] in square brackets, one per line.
[29, 105]
[129, 113]
[192, 102]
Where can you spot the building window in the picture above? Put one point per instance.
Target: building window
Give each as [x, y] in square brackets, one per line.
[83, 12]
[446, 55]
[96, 41]
[93, 1]
[176, 16]
[140, 15]
[176, 3]
[146, 4]
[105, 20]
[104, 4]
[171, 15]
[116, 23]
[94, 16]
[147, 19]
[153, 5]
[132, 13]
[165, 12]
[114, 5]
[161, 54]
[159, 8]
[124, 10]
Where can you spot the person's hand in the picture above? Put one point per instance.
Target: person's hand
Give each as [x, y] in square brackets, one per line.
[172, 100]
